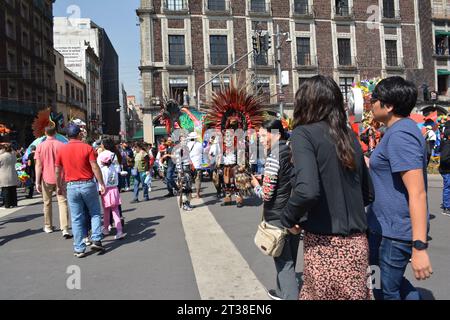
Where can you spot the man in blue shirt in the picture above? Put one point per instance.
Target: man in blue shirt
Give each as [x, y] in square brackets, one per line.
[398, 218]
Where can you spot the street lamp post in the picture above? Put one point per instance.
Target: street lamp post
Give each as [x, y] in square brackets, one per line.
[280, 94]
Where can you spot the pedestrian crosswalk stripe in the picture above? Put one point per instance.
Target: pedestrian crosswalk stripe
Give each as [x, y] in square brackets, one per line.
[220, 270]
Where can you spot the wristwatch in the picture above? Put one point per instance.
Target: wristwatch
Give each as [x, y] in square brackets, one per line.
[419, 245]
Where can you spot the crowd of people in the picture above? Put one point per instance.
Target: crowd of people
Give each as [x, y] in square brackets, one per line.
[355, 208]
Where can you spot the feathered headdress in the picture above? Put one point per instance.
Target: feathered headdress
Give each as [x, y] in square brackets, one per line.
[233, 108]
[42, 121]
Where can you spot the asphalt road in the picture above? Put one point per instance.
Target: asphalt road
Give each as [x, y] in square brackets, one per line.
[205, 254]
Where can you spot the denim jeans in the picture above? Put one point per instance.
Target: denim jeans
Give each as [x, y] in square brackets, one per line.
[446, 191]
[84, 205]
[138, 180]
[287, 285]
[392, 257]
[170, 178]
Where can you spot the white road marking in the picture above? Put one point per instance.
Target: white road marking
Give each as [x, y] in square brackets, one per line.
[221, 271]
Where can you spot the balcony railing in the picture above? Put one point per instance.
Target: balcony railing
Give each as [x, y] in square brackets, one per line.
[306, 60]
[344, 61]
[343, 13]
[261, 7]
[175, 6]
[217, 6]
[219, 59]
[391, 15]
[301, 10]
[394, 63]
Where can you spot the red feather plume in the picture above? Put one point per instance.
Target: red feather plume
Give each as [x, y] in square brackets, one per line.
[235, 108]
[41, 122]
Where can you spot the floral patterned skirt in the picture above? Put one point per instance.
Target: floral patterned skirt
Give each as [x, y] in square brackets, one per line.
[335, 268]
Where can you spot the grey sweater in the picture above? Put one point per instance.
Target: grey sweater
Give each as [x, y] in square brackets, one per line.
[8, 174]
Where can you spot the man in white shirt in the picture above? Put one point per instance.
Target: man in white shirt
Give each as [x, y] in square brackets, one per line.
[196, 154]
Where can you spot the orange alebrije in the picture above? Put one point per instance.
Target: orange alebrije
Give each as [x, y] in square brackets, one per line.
[42, 121]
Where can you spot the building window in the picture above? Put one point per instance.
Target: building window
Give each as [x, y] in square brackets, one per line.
[258, 6]
[303, 52]
[176, 50]
[26, 68]
[12, 89]
[12, 61]
[177, 87]
[37, 48]
[345, 55]
[218, 50]
[389, 9]
[391, 53]
[342, 8]
[24, 11]
[67, 89]
[38, 75]
[10, 28]
[36, 23]
[216, 5]
[346, 86]
[175, 5]
[301, 6]
[25, 39]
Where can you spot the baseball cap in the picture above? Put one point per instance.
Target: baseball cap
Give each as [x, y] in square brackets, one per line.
[73, 130]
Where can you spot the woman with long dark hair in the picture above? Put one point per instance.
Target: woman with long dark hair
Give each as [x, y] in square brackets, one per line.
[275, 192]
[332, 187]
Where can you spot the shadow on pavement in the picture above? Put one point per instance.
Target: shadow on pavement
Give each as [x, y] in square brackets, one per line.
[137, 230]
[21, 234]
[128, 210]
[22, 218]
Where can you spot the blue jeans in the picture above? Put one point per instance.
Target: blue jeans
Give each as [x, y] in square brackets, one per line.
[392, 257]
[170, 178]
[138, 180]
[84, 207]
[446, 191]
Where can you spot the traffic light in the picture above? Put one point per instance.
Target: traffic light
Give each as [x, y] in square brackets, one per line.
[266, 42]
[256, 41]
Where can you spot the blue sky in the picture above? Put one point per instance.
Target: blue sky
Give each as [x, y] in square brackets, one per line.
[118, 18]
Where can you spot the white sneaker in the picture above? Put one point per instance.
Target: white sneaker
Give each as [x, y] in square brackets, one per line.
[87, 241]
[119, 236]
[48, 230]
[66, 234]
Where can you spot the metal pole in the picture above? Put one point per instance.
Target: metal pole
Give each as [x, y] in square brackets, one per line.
[123, 124]
[279, 85]
[218, 75]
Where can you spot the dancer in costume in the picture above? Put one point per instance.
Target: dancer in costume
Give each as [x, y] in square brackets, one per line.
[232, 109]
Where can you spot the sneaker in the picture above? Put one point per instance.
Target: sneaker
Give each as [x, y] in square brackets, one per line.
[147, 199]
[66, 234]
[127, 189]
[97, 246]
[446, 212]
[135, 201]
[187, 207]
[273, 294]
[169, 195]
[119, 236]
[79, 254]
[48, 229]
[239, 205]
[87, 241]
[105, 232]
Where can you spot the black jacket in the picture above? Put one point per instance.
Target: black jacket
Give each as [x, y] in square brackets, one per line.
[444, 166]
[333, 196]
[277, 198]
